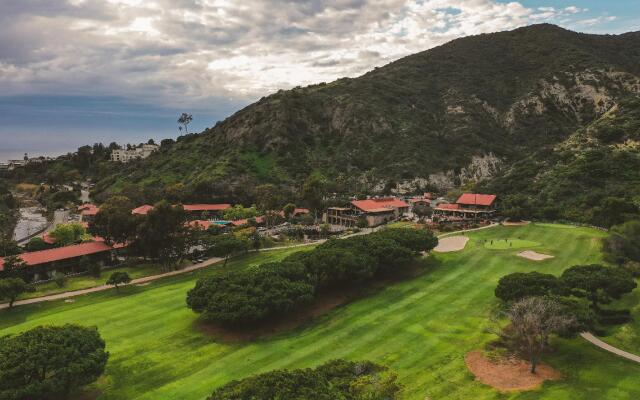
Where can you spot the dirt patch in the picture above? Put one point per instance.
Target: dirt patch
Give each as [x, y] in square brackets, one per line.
[510, 374]
[324, 302]
[534, 256]
[451, 243]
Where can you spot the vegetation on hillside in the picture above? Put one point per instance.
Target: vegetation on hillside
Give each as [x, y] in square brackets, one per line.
[496, 97]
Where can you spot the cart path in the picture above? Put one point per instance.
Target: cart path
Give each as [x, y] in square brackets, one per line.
[605, 346]
[204, 264]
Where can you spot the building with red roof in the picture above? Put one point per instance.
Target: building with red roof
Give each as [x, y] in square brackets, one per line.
[374, 211]
[468, 206]
[88, 212]
[206, 207]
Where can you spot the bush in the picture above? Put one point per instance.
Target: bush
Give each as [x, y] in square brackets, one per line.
[49, 362]
[60, 279]
[336, 379]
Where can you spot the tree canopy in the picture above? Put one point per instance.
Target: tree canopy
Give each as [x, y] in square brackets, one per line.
[597, 283]
[519, 285]
[50, 362]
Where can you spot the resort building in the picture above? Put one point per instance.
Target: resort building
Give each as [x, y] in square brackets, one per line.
[469, 206]
[88, 212]
[136, 153]
[373, 211]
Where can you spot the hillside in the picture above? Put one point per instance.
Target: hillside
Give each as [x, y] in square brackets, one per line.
[454, 114]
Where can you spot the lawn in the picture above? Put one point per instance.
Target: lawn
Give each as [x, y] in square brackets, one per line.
[420, 328]
[509, 243]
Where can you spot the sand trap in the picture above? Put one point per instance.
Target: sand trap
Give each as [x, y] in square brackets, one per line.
[451, 243]
[534, 256]
[510, 374]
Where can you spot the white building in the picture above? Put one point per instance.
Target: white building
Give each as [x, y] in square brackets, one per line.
[139, 152]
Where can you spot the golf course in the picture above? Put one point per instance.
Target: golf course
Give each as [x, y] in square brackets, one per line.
[421, 328]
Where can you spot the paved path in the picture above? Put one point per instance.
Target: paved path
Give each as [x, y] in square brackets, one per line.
[146, 279]
[605, 346]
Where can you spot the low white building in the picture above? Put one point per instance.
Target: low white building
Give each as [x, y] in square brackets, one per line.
[136, 153]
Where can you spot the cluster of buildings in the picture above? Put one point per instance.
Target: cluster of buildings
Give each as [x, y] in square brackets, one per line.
[135, 153]
[377, 211]
[469, 207]
[13, 164]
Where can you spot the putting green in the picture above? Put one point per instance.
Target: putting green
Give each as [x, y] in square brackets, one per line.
[421, 328]
[506, 244]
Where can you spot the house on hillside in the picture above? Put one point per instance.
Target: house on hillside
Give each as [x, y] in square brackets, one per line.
[88, 212]
[469, 206]
[374, 211]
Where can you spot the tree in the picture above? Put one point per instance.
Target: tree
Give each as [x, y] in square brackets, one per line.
[175, 193]
[268, 197]
[8, 247]
[288, 210]
[11, 288]
[246, 297]
[314, 190]
[115, 222]
[163, 234]
[362, 223]
[15, 267]
[118, 278]
[86, 264]
[239, 212]
[337, 379]
[226, 245]
[36, 244]
[533, 321]
[622, 243]
[50, 362]
[184, 120]
[69, 233]
[598, 284]
[516, 286]
[417, 240]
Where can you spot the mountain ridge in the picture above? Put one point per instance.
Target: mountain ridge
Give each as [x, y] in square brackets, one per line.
[454, 114]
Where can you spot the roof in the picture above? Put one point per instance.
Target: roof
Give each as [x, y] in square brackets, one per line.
[372, 204]
[88, 209]
[476, 199]
[447, 206]
[142, 210]
[203, 224]
[296, 211]
[380, 210]
[61, 253]
[206, 207]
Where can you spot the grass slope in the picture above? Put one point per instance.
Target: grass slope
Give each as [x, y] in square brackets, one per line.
[421, 328]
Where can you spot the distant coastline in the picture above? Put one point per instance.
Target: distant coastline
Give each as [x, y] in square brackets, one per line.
[18, 154]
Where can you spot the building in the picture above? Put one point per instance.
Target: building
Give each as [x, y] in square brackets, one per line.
[469, 206]
[205, 211]
[65, 258]
[136, 153]
[142, 210]
[88, 212]
[373, 211]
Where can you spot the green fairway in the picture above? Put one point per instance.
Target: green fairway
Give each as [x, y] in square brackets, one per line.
[507, 243]
[420, 328]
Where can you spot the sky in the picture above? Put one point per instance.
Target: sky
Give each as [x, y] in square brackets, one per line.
[75, 72]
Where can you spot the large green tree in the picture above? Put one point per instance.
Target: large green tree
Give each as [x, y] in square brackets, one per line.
[519, 285]
[115, 222]
[50, 362]
[226, 245]
[11, 288]
[623, 243]
[598, 284]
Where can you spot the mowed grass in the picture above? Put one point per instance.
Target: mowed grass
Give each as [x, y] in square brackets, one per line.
[420, 328]
[506, 244]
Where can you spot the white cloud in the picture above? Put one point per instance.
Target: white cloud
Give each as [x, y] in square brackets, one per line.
[188, 51]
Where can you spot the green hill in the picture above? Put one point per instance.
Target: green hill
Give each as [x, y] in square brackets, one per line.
[455, 114]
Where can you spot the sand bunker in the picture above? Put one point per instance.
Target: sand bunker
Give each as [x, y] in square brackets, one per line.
[451, 243]
[535, 256]
[508, 374]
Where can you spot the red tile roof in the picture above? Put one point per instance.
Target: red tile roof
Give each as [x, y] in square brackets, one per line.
[245, 221]
[372, 204]
[296, 211]
[202, 224]
[142, 210]
[61, 253]
[473, 199]
[206, 207]
[446, 206]
[88, 209]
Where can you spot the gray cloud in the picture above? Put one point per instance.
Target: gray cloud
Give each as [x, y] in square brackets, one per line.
[194, 52]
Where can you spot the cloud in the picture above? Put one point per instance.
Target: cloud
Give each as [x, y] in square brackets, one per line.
[201, 53]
